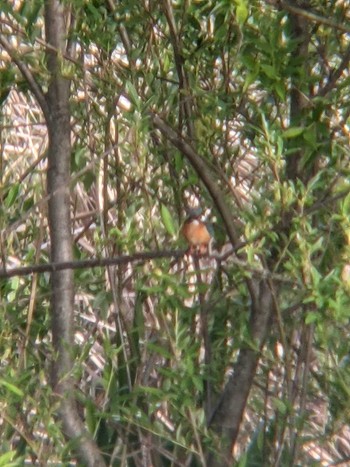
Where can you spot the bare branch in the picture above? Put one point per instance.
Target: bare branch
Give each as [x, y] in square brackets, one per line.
[90, 263]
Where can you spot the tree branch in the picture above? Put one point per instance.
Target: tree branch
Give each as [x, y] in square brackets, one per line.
[309, 15]
[28, 76]
[335, 74]
[228, 413]
[204, 172]
[89, 263]
[185, 97]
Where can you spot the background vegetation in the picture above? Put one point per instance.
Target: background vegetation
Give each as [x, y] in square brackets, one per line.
[143, 109]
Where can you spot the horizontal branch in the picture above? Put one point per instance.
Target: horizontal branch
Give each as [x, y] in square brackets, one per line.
[141, 257]
[89, 263]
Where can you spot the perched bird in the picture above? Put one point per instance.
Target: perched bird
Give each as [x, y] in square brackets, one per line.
[197, 233]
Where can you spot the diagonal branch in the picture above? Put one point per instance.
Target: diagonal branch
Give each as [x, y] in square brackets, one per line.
[28, 76]
[335, 74]
[204, 172]
[227, 416]
[309, 15]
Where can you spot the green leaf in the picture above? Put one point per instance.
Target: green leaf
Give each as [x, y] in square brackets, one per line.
[242, 461]
[133, 94]
[159, 350]
[316, 276]
[280, 90]
[345, 206]
[293, 132]
[280, 405]
[6, 458]
[167, 220]
[151, 391]
[310, 135]
[12, 195]
[311, 317]
[269, 70]
[11, 387]
[241, 11]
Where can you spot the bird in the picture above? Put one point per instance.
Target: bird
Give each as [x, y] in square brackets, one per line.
[197, 233]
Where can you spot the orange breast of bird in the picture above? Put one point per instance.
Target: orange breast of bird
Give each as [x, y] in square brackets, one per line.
[196, 233]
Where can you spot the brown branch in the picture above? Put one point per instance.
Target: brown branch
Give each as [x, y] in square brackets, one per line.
[89, 263]
[335, 74]
[134, 258]
[205, 173]
[62, 281]
[228, 413]
[300, 33]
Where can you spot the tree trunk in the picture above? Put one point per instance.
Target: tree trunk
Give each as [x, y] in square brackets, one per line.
[62, 303]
